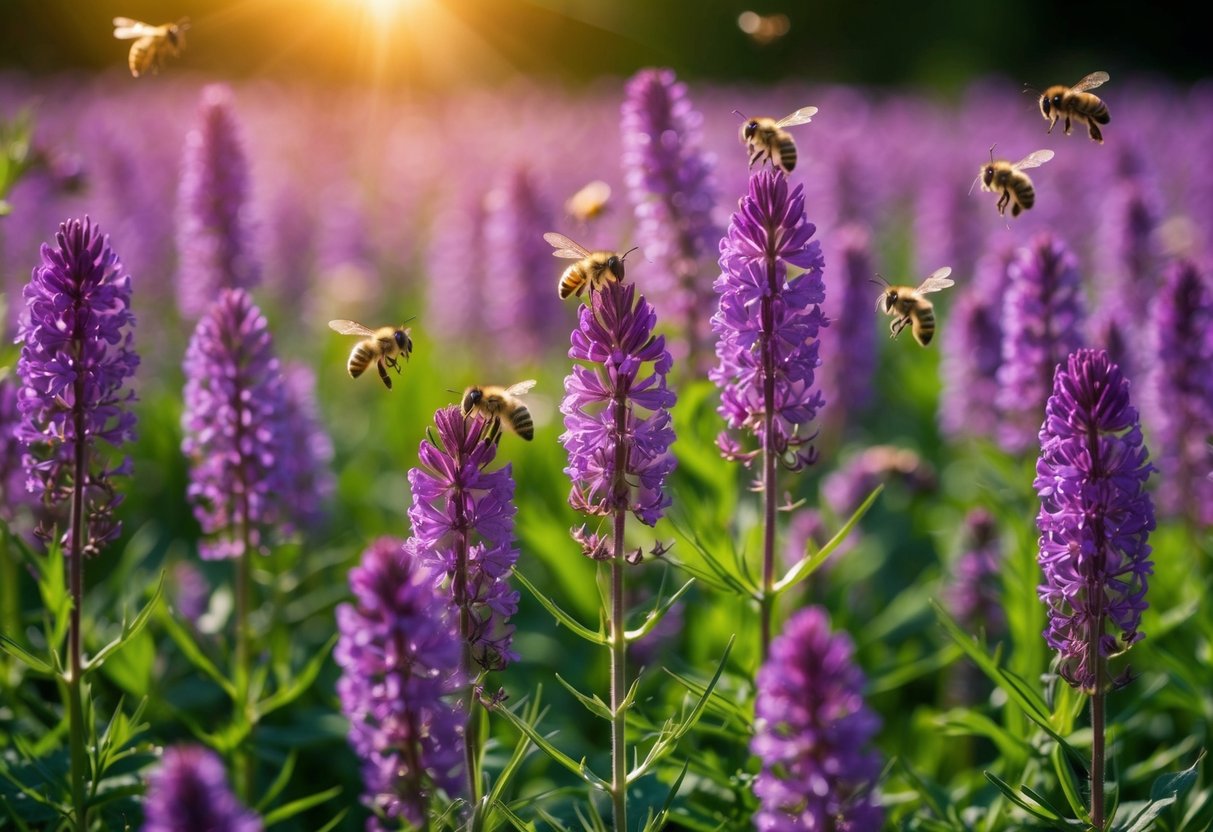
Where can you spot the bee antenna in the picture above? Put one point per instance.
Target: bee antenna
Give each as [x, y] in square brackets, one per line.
[992, 150]
[881, 282]
[740, 113]
[1029, 88]
[410, 318]
[629, 251]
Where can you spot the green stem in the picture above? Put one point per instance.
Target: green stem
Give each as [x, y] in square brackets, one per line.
[75, 582]
[245, 772]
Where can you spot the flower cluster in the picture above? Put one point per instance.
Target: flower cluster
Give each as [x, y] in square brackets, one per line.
[213, 235]
[669, 180]
[233, 410]
[811, 732]
[617, 423]
[975, 592]
[849, 361]
[1180, 391]
[1095, 516]
[463, 526]
[398, 651]
[12, 473]
[76, 360]
[307, 450]
[768, 321]
[188, 792]
[1042, 325]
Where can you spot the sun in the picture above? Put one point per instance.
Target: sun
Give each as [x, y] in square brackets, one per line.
[385, 11]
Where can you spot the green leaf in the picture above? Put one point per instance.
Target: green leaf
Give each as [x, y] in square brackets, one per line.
[593, 704]
[806, 565]
[656, 614]
[132, 668]
[580, 769]
[717, 575]
[332, 824]
[721, 705]
[129, 630]
[502, 783]
[1164, 793]
[302, 682]
[1029, 801]
[560, 615]
[1070, 786]
[29, 659]
[302, 804]
[185, 642]
[280, 781]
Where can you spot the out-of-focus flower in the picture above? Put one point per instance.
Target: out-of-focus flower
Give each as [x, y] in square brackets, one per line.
[617, 423]
[191, 592]
[463, 526]
[767, 324]
[76, 360]
[188, 792]
[1180, 392]
[812, 731]
[1095, 516]
[399, 653]
[669, 180]
[306, 450]
[845, 489]
[214, 241]
[973, 595]
[848, 357]
[232, 422]
[525, 315]
[455, 271]
[13, 494]
[1042, 324]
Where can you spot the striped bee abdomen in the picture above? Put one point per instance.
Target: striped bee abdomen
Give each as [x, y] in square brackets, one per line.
[521, 421]
[787, 154]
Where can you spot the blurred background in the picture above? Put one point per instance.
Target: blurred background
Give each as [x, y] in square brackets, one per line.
[436, 43]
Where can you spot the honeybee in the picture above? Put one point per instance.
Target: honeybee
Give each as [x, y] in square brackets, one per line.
[765, 138]
[498, 403]
[152, 43]
[1075, 103]
[590, 202]
[593, 268]
[1010, 179]
[381, 345]
[909, 307]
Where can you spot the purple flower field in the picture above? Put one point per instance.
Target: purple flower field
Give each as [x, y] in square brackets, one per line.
[761, 565]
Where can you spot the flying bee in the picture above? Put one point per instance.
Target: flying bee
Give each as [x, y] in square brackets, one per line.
[910, 308]
[383, 346]
[499, 404]
[589, 203]
[765, 138]
[593, 268]
[152, 43]
[1076, 104]
[1010, 179]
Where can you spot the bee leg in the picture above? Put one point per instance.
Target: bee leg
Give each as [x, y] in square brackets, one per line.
[1093, 131]
[1067, 125]
[897, 326]
[1002, 202]
[493, 434]
[394, 364]
[387, 380]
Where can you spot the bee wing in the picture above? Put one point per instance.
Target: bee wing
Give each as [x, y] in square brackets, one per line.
[564, 246]
[127, 29]
[938, 280]
[350, 328]
[1034, 160]
[520, 388]
[802, 116]
[1095, 79]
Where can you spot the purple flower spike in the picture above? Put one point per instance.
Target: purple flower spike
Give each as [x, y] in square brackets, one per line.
[13, 494]
[669, 180]
[1180, 392]
[1095, 516]
[974, 596]
[1042, 325]
[398, 651]
[214, 240]
[760, 305]
[849, 359]
[307, 450]
[76, 360]
[811, 731]
[232, 421]
[610, 402]
[463, 522]
[188, 792]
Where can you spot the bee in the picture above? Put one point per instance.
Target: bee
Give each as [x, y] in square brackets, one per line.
[381, 345]
[1075, 103]
[152, 43]
[589, 203]
[765, 138]
[909, 307]
[593, 268]
[1010, 179]
[496, 403]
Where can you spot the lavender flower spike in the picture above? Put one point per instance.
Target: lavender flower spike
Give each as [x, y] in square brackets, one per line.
[617, 421]
[307, 450]
[398, 651]
[463, 527]
[811, 732]
[1180, 392]
[1094, 517]
[233, 407]
[214, 240]
[768, 323]
[1043, 324]
[76, 359]
[188, 792]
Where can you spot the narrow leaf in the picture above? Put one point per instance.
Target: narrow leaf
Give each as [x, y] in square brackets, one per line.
[560, 615]
[302, 804]
[185, 641]
[593, 704]
[302, 682]
[806, 565]
[129, 630]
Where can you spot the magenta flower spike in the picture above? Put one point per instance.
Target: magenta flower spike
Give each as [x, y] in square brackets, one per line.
[188, 792]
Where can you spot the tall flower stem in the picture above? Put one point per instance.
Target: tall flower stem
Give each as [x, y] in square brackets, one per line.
[75, 583]
[1095, 595]
[460, 592]
[619, 756]
[245, 776]
[767, 601]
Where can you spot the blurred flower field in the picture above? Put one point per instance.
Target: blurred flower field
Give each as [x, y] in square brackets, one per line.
[760, 567]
